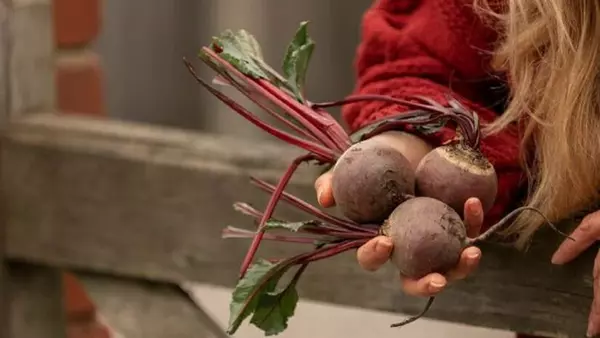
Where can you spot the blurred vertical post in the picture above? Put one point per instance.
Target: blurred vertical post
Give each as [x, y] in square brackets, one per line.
[30, 295]
[4, 109]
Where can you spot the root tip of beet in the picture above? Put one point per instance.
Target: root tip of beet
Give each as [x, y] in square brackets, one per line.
[415, 317]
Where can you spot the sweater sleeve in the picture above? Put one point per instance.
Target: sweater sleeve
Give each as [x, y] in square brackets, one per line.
[434, 48]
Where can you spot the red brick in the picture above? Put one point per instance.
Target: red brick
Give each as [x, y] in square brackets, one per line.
[76, 22]
[78, 305]
[79, 84]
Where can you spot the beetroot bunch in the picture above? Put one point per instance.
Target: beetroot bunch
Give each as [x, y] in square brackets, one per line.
[374, 186]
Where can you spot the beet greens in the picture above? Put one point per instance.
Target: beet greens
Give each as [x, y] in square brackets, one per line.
[237, 59]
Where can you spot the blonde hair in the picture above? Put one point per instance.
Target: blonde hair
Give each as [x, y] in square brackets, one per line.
[550, 51]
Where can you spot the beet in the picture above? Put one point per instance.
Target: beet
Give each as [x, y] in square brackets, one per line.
[454, 173]
[370, 180]
[428, 236]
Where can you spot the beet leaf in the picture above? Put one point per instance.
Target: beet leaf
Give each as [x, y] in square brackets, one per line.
[260, 281]
[275, 308]
[241, 50]
[257, 294]
[296, 60]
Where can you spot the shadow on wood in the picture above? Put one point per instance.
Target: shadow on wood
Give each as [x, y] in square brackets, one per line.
[150, 202]
[35, 302]
[143, 309]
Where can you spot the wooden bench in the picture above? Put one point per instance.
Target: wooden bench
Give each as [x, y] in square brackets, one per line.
[136, 212]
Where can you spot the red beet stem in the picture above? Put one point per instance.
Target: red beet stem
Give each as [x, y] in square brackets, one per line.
[350, 235]
[394, 125]
[320, 228]
[457, 111]
[275, 196]
[233, 232]
[228, 80]
[280, 98]
[321, 152]
[376, 97]
[325, 122]
[335, 129]
[306, 207]
[501, 223]
[298, 273]
[247, 209]
[335, 249]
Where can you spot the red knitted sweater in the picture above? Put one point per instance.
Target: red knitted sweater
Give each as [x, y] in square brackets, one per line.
[434, 48]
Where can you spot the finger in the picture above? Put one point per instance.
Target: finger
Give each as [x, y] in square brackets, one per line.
[424, 287]
[468, 263]
[324, 191]
[582, 238]
[594, 317]
[473, 212]
[374, 253]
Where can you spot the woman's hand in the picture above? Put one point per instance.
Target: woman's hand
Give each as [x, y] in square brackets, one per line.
[586, 234]
[376, 252]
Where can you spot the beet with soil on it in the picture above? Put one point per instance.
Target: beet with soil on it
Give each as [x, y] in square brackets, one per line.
[370, 180]
[454, 173]
[428, 236]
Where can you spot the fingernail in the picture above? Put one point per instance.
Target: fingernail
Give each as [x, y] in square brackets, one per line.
[383, 244]
[436, 285]
[590, 331]
[555, 259]
[474, 255]
[319, 194]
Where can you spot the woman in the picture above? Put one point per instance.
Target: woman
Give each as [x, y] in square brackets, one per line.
[542, 123]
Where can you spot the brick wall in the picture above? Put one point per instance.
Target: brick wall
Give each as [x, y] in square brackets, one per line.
[79, 76]
[79, 90]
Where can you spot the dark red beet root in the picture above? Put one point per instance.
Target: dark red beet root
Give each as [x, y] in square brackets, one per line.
[428, 236]
[454, 173]
[370, 180]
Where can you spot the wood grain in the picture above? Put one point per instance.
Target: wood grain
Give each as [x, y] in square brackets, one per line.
[150, 202]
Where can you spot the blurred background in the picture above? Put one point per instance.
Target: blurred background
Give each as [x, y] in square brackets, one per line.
[141, 52]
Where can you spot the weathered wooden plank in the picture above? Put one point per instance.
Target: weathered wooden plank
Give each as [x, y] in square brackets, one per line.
[143, 309]
[31, 57]
[4, 60]
[35, 302]
[150, 202]
[4, 306]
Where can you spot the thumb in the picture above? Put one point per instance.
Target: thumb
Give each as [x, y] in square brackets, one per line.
[324, 190]
[374, 253]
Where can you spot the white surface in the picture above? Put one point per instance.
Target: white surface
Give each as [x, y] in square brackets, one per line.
[320, 320]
